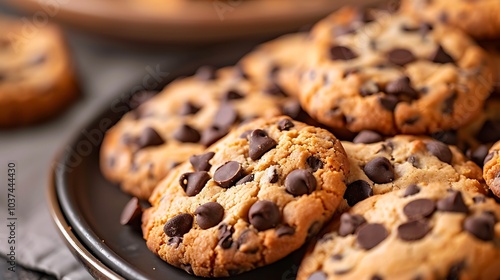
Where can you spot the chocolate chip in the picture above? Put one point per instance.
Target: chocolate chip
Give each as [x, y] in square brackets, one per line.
[419, 208]
[400, 56]
[246, 179]
[479, 199]
[212, 134]
[337, 257]
[225, 236]
[188, 108]
[285, 124]
[131, 213]
[425, 28]
[453, 203]
[225, 117]
[300, 182]
[178, 225]
[489, 132]
[341, 53]
[228, 174]
[284, 230]
[174, 241]
[415, 162]
[379, 170]
[318, 275]
[388, 102]
[209, 214]
[201, 162]
[205, 73]
[369, 88]
[149, 138]
[357, 191]
[411, 190]
[245, 134]
[411, 121]
[233, 95]
[272, 174]
[455, 271]
[370, 235]
[448, 137]
[478, 154]
[448, 103]
[402, 88]
[350, 223]
[186, 134]
[187, 268]
[481, 226]
[314, 229]
[441, 56]
[194, 182]
[413, 230]
[314, 163]
[260, 143]
[367, 137]
[264, 215]
[275, 90]
[489, 157]
[440, 150]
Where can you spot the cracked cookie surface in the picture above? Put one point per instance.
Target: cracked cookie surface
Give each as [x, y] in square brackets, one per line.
[491, 169]
[393, 73]
[186, 117]
[379, 167]
[249, 200]
[429, 233]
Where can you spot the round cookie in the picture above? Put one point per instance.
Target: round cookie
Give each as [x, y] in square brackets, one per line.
[186, 117]
[379, 166]
[431, 233]
[249, 200]
[37, 79]
[491, 170]
[478, 18]
[393, 74]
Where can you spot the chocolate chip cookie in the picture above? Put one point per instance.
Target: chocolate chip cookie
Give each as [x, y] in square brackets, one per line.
[429, 233]
[492, 169]
[189, 115]
[37, 79]
[478, 18]
[393, 73]
[249, 200]
[379, 166]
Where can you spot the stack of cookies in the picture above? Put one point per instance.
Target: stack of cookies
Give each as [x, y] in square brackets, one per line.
[373, 134]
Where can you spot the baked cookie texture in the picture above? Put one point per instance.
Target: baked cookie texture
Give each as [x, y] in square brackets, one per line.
[411, 76]
[380, 166]
[249, 200]
[189, 115]
[37, 78]
[430, 233]
[476, 18]
[492, 169]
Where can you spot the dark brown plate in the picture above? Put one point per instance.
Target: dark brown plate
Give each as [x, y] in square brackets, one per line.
[86, 209]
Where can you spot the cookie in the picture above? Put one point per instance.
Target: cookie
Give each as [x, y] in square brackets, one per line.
[476, 18]
[432, 233]
[492, 169]
[249, 200]
[186, 117]
[492, 47]
[379, 166]
[393, 74]
[37, 79]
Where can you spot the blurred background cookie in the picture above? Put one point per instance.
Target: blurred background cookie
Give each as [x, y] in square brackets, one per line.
[37, 79]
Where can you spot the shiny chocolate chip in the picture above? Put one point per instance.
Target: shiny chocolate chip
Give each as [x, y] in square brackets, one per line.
[226, 116]
[367, 137]
[209, 215]
[201, 162]
[419, 208]
[341, 53]
[482, 226]
[454, 202]
[260, 143]
[370, 235]
[149, 138]
[448, 137]
[411, 190]
[300, 182]
[285, 124]
[188, 108]
[225, 236]
[379, 170]
[285, 230]
[186, 134]
[212, 134]
[233, 95]
[402, 88]
[441, 56]
[350, 223]
[400, 56]
[388, 102]
[413, 230]
[264, 215]
[478, 154]
[228, 174]
[357, 191]
[246, 179]
[314, 163]
[194, 182]
[440, 150]
[178, 225]
[131, 213]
